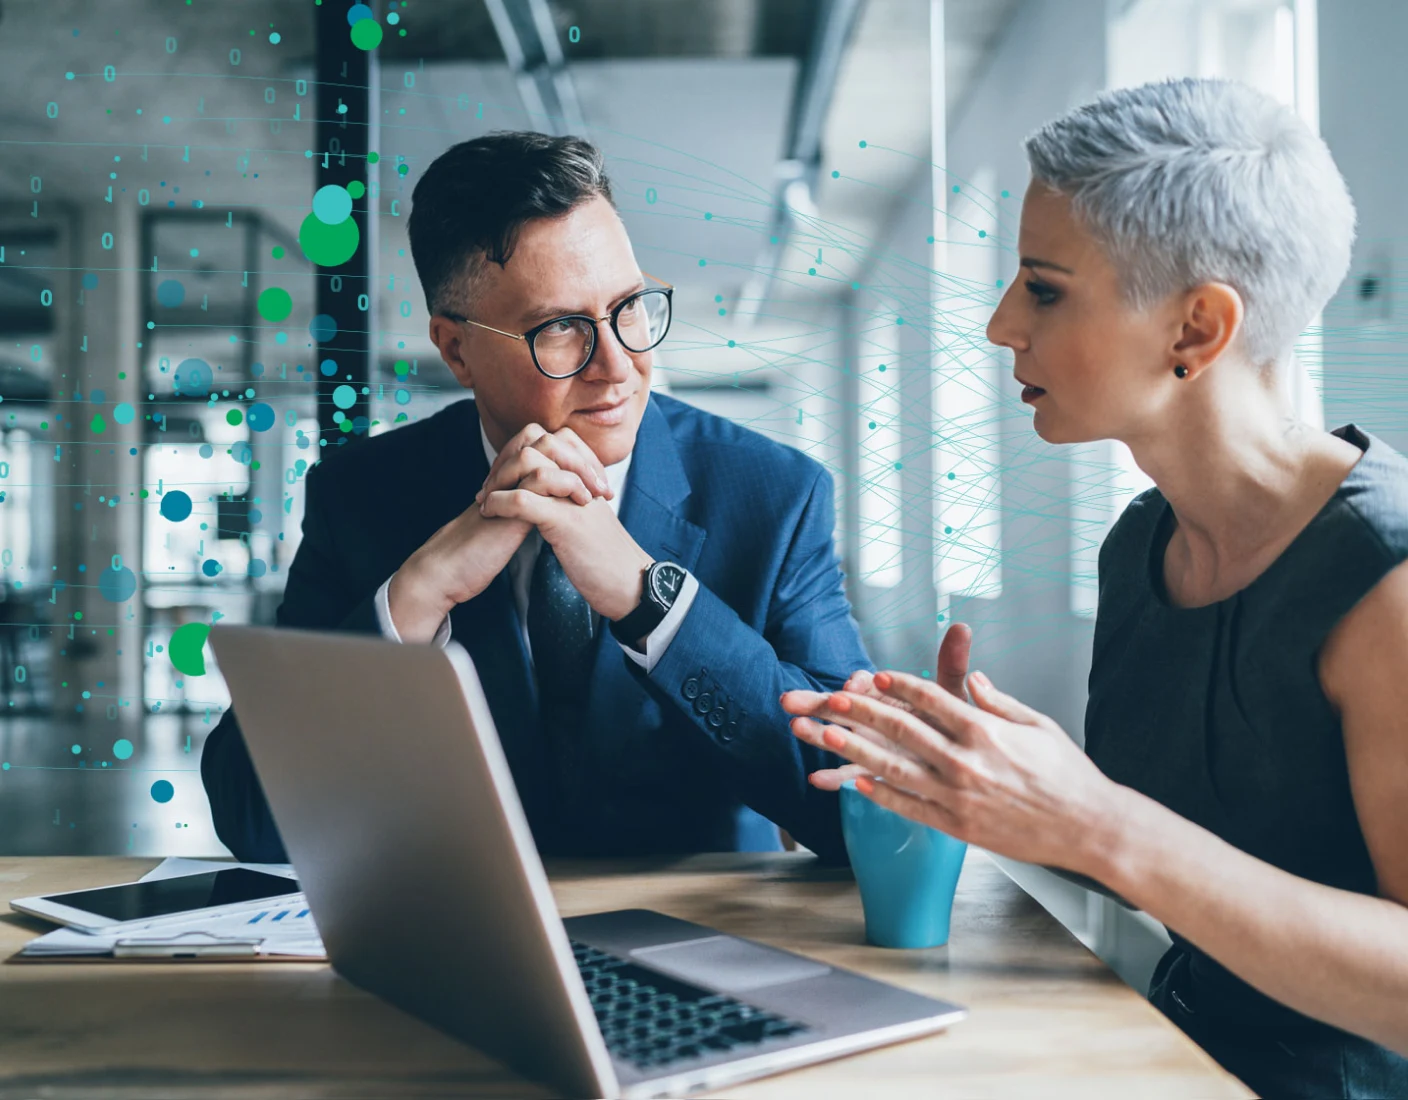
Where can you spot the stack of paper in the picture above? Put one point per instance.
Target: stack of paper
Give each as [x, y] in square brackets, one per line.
[286, 930]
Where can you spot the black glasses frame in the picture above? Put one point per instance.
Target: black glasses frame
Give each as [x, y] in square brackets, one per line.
[531, 335]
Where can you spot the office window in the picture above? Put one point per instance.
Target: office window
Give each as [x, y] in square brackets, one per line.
[878, 468]
[967, 531]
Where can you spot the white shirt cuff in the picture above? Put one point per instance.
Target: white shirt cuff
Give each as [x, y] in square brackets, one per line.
[659, 639]
[388, 628]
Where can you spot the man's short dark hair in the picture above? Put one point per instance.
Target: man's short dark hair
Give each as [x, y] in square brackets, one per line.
[475, 197]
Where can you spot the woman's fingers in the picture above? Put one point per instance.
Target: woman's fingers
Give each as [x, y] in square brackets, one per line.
[1002, 704]
[940, 708]
[884, 740]
[814, 733]
[926, 811]
[952, 667]
[932, 745]
[811, 705]
[863, 683]
[860, 681]
[893, 767]
[831, 779]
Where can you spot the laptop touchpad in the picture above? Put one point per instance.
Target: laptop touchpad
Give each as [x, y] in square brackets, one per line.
[723, 962]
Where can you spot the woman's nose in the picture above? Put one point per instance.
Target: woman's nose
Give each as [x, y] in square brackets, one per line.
[1004, 327]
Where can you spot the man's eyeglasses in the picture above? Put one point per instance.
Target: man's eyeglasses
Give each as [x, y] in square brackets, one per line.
[564, 345]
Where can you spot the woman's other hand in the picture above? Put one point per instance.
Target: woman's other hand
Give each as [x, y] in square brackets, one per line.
[950, 673]
[996, 774]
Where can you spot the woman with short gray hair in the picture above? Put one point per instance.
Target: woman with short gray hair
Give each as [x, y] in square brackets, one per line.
[1246, 781]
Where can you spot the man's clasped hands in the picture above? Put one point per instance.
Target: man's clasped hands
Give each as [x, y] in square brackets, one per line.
[548, 481]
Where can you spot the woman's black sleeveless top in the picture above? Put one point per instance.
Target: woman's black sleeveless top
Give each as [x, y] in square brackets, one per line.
[1217, 712]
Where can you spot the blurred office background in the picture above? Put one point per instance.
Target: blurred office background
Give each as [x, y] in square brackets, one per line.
[832, 185]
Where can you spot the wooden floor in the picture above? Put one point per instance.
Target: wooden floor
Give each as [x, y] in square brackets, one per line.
[1047, 1018]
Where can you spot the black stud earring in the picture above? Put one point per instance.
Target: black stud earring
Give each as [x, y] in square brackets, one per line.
[1180, 371]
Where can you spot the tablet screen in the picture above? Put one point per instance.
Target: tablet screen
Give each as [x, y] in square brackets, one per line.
[164, 896]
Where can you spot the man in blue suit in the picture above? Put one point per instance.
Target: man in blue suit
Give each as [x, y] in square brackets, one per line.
[637, 581]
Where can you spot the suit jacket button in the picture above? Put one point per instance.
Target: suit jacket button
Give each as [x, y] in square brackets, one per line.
[703, 703]
[716, 718]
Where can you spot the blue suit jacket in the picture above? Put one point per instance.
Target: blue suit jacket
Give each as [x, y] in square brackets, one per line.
[682, 759]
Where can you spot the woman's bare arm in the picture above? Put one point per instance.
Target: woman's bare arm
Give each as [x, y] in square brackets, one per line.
[1332, 954]
[1010, 780]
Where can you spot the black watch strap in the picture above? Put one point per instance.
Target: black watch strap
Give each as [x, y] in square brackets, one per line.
[663, 582]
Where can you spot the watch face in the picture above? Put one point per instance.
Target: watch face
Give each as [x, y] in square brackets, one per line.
[666, 582]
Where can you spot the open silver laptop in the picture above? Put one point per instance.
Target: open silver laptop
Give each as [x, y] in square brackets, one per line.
[390, 788]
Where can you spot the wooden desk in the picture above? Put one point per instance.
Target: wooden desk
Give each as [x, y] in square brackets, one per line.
[1047, 1018]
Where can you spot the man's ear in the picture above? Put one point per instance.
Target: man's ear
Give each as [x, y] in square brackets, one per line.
[449, 339]
[1212, 317]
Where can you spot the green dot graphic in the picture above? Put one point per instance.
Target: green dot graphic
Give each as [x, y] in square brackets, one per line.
[366, 34]
[275, 304]
[328, 245]
[185, 650]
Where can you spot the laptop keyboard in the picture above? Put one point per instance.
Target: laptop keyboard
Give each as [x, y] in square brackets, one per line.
[651, 1019]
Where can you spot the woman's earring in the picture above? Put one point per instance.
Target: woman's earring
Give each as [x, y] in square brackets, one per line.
[1180, 371]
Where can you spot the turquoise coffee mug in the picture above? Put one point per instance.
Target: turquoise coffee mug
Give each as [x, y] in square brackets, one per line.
[907, 873]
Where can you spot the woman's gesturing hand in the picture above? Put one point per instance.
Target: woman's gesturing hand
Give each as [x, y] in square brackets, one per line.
[996, 774]
[950, 674]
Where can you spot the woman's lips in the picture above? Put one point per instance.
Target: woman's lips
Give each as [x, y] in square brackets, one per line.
[1031, 393]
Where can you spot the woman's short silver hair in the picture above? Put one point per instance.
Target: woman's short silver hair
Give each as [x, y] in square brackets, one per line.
[1192, 181]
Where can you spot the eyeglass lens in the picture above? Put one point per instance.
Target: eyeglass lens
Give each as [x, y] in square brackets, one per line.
[564, 347]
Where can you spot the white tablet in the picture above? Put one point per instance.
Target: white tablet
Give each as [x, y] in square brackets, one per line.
[135, 903]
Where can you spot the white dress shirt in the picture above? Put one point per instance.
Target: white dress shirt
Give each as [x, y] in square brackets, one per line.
[520, 571]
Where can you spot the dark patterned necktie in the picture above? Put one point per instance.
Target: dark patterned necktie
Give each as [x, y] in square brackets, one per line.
[561, 626]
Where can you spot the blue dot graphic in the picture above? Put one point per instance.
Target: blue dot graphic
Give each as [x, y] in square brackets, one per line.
[117, 585]
[403, 397]
[322, 328]
[90, 281]
[210, 567]
[124, 413]
[192, 377]
[344, 397]
[162, 790]
[328, 367]
[332, 204]
[175, 506]
[257, 567]
[170, 293]
[358, 11]
[122, 748]
[260, 416]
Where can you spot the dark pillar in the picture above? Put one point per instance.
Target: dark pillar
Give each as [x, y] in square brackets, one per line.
[345, 125]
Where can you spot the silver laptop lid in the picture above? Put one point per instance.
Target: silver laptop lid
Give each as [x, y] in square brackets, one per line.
[385, 775]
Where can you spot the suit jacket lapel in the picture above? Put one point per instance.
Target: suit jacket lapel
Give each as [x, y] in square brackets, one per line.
[652, 511]
[656, 489]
